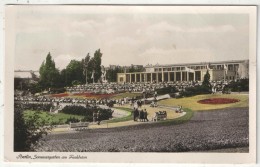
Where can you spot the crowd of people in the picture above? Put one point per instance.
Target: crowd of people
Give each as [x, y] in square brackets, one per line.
[136, 102]
[138, 86]
[140, 115]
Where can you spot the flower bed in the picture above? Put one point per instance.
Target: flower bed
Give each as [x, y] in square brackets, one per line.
[93, 95]
[60, 95]
[218, 101]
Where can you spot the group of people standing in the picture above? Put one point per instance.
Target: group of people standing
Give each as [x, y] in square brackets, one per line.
[140, 115]
[96, 117]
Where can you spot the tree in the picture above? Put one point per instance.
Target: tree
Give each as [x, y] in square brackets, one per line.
[206, 80]
[136, 69]
[74, 72]
[112, 74]
[95, 65]
[28, 132]
[49, 75]
[86, 68]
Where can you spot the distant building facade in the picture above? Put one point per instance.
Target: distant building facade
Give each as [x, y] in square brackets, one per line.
[126, 68]
[222, 70]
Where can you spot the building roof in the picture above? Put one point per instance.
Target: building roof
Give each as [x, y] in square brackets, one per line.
[199, 63]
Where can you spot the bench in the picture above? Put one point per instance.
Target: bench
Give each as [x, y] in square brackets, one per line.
[161, 115]
[79, 125]
[179, 110]
[153, 105]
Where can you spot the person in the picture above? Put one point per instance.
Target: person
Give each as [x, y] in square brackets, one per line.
[136, 114]
[155, 116]
[141, 115]
[94, 116]
[145, 115]
[133, 114]
[98, 118]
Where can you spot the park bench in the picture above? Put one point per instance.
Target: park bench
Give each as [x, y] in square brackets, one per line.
[153, 104]
[161, 115]
[179, 110]
[79, 125]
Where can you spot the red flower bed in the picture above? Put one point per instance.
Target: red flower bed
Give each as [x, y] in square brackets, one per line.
[60, 95]
[93, 95]
[82, 94]
[218, 101]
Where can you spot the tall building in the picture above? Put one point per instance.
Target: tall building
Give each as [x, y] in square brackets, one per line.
[221, 70]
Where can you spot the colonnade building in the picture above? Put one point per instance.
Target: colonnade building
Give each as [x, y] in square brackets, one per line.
[219, 71]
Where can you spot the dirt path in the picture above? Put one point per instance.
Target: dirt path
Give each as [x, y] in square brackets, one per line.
[118, 113]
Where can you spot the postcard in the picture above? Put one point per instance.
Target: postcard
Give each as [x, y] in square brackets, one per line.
[130, 84]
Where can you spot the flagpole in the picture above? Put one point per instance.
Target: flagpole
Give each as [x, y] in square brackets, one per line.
[86, 76]
[224, 75]
[93, 77]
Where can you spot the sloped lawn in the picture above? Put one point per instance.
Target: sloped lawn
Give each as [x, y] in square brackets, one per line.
[192, 102]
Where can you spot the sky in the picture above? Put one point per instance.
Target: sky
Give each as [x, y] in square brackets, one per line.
[127, 35]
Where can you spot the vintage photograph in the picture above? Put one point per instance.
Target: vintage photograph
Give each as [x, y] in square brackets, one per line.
[143, 79]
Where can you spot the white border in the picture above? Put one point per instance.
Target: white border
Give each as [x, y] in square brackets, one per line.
[252, 68]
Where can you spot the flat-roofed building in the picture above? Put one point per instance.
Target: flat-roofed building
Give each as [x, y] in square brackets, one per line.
[221, 70]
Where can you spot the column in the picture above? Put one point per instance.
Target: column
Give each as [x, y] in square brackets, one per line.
[174, 75]
[151, 77]
[181, 76]
[157, 77]
[135, 77]
[130, 79]
[162, 76]
[169, 77]
[187, 76]
[140, 77]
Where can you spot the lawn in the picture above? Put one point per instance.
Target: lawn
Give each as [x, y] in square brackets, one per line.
[191, 102]
[123, 95]
[100, 96]
[59, 118]
[127, 118]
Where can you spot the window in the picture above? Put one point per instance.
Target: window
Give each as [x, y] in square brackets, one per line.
[230, 67]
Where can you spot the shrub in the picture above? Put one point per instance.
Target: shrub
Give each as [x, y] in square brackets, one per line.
[196, 90]
[239, 86]
[87, 112]
[27, 133]
[35, 106]
[72, 120]
[166, 90]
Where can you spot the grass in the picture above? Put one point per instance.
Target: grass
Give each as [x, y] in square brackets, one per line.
[123, 95]
[191, 102]
[116, 96]
[126, 118]
[179, 120]
[174, 121]
[59, 118]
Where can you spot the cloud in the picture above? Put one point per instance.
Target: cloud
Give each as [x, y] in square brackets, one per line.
[61, 61]
[172, 55]
[167, 27]
[129, 38]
